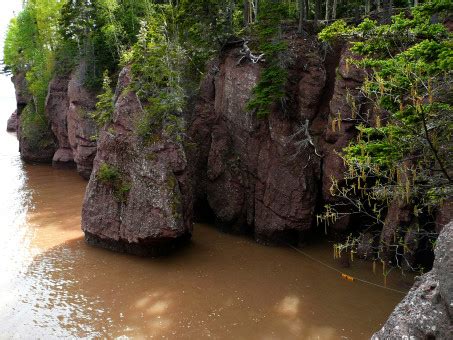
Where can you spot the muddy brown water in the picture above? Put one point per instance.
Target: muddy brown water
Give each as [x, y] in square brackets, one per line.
[53, 285]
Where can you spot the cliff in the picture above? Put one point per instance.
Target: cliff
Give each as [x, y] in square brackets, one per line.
[426, 311]
[64, 136]
[267, 177]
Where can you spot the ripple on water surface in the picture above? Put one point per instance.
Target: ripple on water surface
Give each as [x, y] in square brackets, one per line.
[222, 286]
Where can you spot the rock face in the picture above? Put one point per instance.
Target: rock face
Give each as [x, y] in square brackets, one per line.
[427, 310]
[57, 104]
[68, 138]
[340, 127]
[81, 128]
[444, 215]
[68, 108]
[138, 199]
[259, 175]
[36, 141]
[11, 125]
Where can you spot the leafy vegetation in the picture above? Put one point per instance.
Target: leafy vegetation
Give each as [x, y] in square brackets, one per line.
[270, 88]
[403, 152]
[104, 106]
[111, 176]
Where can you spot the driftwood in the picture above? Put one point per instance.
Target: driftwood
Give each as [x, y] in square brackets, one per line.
[246, 53]
[303, 140]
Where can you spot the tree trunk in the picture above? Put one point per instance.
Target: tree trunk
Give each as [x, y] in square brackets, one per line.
[415, 3]
[388, 6]
[317, 10]
[327, 9]
[378, 5]
[367, 7]
[246, 13]
[256, 9]
[334, 9]
[302, 15]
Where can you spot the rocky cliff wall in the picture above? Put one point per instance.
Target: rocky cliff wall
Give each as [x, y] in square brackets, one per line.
[258, 176]
[68, 138]
[267, 177]
[11, 124]
[36, 141]
[57, 104]
[427, 310]
[81, 127]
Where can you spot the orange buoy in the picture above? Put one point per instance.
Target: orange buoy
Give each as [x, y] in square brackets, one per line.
[347, 277]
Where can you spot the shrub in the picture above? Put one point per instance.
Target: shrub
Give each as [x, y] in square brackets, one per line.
[111, 176]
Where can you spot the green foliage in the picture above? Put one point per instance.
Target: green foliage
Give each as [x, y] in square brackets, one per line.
[337, 29]
[404, 149]
[271, 85]
[29, 45]
[108, 174]
[111, 176]
[268, 91]
[104, 106]
[204, 26]
[158, 62]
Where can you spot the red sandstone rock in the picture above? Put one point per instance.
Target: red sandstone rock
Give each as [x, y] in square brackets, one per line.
[155, 213]
[81, 127]
[444, 215]
[11, 125]
[36, 144]
[57, 104]
[258, 179]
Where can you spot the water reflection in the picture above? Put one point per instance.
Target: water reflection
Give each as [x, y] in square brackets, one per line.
[53, 285]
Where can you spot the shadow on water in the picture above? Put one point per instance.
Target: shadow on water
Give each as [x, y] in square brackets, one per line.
[220, 286]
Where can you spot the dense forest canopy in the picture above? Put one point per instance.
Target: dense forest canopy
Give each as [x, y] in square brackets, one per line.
[404, 146]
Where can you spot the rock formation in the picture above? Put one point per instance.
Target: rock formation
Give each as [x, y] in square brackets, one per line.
[138, 199]
[36, 141]
[11, 125]
[259, 175]
[263, 176]
[68, 138]
[426, 311]
[81, 127]
[57, 104]
[340, 127]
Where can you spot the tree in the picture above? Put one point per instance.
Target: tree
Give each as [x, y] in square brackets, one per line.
[404, 147]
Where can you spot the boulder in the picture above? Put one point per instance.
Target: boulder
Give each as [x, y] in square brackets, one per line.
[11, 125]
[426, 311]
[139, 198]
